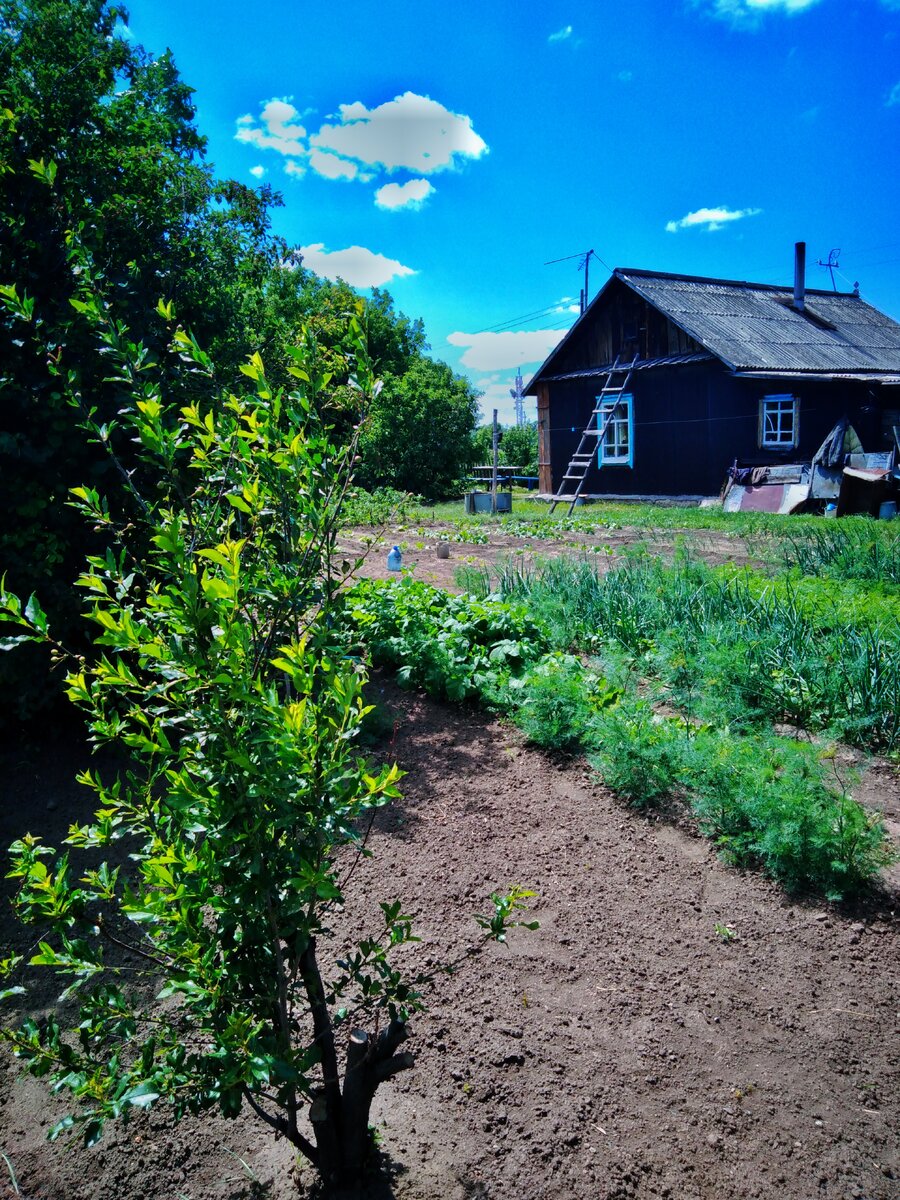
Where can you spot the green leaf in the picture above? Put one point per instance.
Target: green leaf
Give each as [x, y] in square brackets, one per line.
[141, 1096]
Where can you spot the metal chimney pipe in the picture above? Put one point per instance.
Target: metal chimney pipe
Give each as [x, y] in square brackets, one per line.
[799, 275]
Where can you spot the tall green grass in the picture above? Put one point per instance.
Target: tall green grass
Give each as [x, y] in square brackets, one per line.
[852, 548]
[729, 644]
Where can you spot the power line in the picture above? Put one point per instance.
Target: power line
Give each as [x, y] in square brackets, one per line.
[522, 320]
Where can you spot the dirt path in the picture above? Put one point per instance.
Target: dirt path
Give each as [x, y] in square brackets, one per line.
[623, 1050]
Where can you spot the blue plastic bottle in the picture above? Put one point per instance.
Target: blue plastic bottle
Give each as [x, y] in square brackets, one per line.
[395, 559]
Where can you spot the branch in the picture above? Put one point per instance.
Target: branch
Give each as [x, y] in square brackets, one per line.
[389, 1039]
[280, 1125]
[322, 1028]
[102, 926]
[393, 1066]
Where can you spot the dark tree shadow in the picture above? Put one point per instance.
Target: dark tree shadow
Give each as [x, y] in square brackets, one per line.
[379, 1183]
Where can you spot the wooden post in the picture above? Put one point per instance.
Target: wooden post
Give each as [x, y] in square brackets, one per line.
[496, 462]
[545, 480]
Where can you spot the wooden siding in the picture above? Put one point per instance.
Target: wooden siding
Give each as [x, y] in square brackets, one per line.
[545, 480]
[692, 421]
[625, 325]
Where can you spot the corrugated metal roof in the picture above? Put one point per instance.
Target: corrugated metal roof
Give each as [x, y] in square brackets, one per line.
[854, 376]
[754, 326]
[644, 364]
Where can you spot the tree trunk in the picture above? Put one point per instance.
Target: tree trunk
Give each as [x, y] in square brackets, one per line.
[342, 1136]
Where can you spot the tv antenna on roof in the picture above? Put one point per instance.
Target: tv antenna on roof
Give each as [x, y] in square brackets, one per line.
[585, 256]
[832, 265]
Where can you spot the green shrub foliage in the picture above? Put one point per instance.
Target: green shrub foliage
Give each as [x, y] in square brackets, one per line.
[218, 672]
[454, 647]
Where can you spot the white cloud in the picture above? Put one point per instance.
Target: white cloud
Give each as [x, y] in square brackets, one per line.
[502, 351]
[409, 131]
[711, 219]
[561, 34]
[625, 76]
[411, 194]
[361, 268]
[332, 167]
[258, 171]
[893, 96]
[748, 14]
[274, 132]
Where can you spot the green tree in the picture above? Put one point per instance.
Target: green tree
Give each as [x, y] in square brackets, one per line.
[417, 436]
[219, 672]
[518, 446]
[98, 137]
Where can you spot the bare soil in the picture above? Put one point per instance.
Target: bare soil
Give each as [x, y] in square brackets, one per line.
[419, 547]
[622, 1050]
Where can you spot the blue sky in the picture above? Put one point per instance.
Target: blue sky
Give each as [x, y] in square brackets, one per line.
[448, 151]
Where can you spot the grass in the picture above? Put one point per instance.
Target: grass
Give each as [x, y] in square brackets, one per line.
[610, 514]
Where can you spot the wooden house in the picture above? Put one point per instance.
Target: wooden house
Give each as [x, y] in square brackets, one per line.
[724, 371]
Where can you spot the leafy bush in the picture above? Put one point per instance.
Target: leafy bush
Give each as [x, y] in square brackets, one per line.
[774, 802]
[639, 754]
[455, 647]
[218, 673]
[417, 434]
[378, 507]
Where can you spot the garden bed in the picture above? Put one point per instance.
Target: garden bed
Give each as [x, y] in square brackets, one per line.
[677, 1027]
[626, 1048]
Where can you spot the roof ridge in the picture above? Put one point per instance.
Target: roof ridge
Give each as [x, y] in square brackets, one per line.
[739, 283]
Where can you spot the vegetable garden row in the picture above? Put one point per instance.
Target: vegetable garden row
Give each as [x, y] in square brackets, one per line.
[682, 680]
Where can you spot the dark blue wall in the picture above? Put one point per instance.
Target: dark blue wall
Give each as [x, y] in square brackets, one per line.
[691, 422]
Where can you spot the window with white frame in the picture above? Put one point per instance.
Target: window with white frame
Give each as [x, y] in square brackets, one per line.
[779, 422]
[615, 419]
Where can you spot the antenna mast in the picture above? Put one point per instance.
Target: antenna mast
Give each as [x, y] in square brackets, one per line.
[518, 397]
[584, 264]
[832, 265]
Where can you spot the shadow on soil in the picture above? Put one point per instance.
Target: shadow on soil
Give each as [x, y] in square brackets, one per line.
[380, 1182]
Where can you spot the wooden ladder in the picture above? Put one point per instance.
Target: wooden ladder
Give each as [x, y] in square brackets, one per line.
[580, 462]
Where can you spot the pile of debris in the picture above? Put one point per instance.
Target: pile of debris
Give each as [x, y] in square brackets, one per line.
[841, 479]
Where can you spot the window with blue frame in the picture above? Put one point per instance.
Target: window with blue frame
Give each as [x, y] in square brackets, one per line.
[779, 422]
[615, 419]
